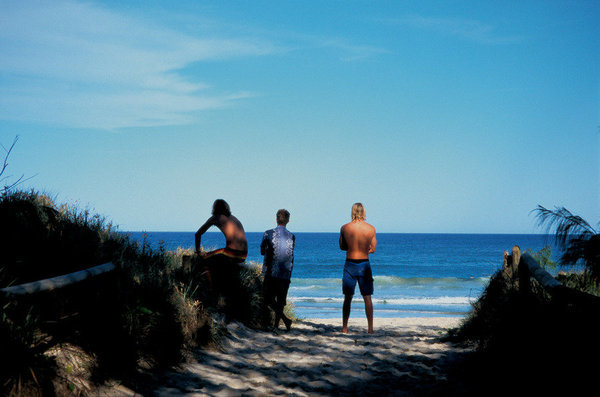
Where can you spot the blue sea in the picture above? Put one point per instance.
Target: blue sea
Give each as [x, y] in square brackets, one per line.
[416, 275]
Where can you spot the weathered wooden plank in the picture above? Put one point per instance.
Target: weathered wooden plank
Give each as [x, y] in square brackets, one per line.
[555, 288]
[57, 282]
[539, 273]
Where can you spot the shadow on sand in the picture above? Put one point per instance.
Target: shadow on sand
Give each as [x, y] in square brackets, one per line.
[316, 359]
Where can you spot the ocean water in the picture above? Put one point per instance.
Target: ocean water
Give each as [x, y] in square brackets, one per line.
[415, 275]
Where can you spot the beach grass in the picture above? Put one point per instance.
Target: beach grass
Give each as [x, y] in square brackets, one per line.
[150, 312]
[530, 335]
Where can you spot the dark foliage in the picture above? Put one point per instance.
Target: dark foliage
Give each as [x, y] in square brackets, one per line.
[149, 312]
[526, 342]
[37, 241]
[578, 239]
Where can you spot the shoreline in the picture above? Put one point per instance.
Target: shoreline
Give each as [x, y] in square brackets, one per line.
[389, 322]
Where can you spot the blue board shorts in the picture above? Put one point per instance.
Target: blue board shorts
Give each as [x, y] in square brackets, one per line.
[360, 272]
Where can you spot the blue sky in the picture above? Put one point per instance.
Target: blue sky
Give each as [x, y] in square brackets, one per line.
[450, 117]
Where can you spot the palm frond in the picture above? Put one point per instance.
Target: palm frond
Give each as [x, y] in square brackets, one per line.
[566, 226]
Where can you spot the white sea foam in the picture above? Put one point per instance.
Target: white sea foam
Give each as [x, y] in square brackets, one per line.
[437, 301]
[391, 281]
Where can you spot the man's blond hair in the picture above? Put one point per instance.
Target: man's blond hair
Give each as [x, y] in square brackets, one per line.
[358, 212]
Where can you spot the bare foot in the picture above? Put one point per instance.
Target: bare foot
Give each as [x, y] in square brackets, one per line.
[344, 330]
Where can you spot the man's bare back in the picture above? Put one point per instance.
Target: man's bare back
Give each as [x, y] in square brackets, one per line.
[358, 239]
[235, 237]
[230, 226]
[232, 229]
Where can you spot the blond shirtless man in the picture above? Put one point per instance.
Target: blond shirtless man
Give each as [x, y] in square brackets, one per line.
[358, 239]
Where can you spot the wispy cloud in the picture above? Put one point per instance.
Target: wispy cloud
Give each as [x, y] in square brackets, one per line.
[81, 65]
[342, 48]
[466, 29]
[352, 51]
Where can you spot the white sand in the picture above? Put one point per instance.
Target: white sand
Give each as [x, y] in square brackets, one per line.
[403, 357]
[360, 324]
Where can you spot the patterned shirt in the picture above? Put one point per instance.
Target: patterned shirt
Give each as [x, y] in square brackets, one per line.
[278, 245]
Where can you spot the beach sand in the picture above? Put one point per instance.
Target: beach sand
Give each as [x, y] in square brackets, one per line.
[405, 356]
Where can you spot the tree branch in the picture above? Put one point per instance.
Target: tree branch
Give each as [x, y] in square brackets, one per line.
[5, 165]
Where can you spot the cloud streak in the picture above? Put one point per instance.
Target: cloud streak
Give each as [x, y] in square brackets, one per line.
[466, 29]
[80, 65]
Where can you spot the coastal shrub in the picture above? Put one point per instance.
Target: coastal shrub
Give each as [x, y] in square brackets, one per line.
[149, 312]
[528, 336]
[500, 313]
[582, 281]
[39, 240]
[290, 311]
[544, 257]
[502, 309]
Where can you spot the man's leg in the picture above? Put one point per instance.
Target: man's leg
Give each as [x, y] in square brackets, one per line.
[266, 305]
[269, 296]
[346, 312]
[369, 312]
[287, 321]
[209, 271]
[281, 300]
[279, 315]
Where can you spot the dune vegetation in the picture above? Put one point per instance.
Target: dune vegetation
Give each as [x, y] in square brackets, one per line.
[149, 312]
[540, 342]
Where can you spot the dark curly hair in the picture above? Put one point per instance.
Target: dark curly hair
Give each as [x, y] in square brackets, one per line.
[220, 207]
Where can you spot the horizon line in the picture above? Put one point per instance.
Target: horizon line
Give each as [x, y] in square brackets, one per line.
[337, 232]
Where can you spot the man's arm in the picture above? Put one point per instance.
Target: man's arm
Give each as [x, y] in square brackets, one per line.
[263, 244]
[293, 247]
[343, 243]
[210, 222]
[373, 244]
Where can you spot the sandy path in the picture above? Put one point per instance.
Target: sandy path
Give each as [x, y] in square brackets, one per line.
[404, 357]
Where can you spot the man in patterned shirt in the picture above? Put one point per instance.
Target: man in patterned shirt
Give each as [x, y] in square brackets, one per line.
[278, 248]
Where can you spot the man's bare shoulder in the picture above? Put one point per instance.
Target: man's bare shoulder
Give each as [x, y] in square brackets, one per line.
[366, 229]
[358, 224]
[218, 219]
[369, 226]
[349, 228]
[235, 221]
